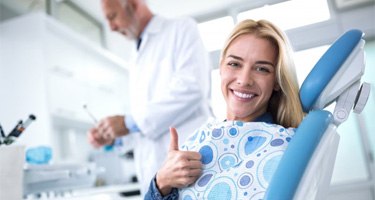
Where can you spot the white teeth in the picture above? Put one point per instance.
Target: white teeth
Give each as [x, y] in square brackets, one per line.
[243, 95]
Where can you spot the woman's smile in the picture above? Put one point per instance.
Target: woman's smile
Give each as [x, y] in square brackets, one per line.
[243, 96]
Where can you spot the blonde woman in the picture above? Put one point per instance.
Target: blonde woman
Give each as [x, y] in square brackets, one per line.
[236, 158]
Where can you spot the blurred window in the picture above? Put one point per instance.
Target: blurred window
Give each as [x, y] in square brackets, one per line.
[215, 32]
[14, 8]
[290, 14]
[80, 21]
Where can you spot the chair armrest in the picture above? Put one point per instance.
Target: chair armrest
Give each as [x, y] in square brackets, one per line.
[292, 165]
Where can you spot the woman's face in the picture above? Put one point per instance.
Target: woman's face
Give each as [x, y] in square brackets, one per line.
[248, 77]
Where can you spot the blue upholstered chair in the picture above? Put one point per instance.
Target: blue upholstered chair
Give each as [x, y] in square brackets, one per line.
[305, 170]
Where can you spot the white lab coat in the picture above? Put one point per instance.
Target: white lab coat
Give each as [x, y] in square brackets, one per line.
[169, 86]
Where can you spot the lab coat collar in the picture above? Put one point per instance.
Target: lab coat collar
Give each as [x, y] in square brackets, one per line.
[154, 26]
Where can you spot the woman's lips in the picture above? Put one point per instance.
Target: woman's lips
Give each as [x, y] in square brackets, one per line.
[243, 95]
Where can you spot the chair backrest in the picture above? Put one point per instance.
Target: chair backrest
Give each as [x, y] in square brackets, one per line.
[305, 170]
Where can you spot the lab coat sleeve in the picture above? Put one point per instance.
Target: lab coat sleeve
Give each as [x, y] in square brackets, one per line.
[130, 124]
[188, 89]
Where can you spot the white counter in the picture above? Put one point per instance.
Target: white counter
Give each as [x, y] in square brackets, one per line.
[112, 192]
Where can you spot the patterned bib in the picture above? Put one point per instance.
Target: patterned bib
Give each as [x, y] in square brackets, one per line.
[239, 159]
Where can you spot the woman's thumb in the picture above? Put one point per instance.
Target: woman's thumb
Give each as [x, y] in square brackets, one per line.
[174, 139]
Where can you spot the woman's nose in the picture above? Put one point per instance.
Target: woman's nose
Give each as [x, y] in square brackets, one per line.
[245, 79]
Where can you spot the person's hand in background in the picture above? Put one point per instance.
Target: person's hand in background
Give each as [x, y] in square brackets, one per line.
[96, 139]
[107, 130]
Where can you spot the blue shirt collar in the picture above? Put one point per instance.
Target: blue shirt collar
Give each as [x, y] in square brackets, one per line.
[266, 117]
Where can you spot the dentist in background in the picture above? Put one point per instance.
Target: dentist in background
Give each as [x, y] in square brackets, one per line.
[169, 85]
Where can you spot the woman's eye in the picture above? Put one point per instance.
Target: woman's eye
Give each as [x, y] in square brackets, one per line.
[262, 69]
[233, 64]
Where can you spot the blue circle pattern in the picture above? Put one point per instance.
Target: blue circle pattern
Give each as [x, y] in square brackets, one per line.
[249, 164]
[226, 161]
[219, 189]
[238, 164]
[245, 180]
[277, 142]
[233, 131]
[225, 141]
[239, 123]
[188, 197]
[217, 133]
[204, 180]
[207, 154]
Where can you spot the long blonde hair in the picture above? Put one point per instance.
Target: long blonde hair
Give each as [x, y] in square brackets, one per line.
[284, 105]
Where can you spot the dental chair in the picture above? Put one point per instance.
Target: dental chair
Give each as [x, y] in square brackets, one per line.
[305, 170]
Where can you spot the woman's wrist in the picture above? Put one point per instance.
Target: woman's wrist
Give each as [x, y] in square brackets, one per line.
[162, 186]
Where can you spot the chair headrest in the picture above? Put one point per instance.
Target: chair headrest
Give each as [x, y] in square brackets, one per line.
[326, 68]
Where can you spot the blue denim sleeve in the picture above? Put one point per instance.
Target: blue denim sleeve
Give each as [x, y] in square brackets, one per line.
[154, 194]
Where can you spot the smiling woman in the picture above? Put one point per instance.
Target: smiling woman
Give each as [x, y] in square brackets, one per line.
[261, 55]
[248, 77]
[236, 158]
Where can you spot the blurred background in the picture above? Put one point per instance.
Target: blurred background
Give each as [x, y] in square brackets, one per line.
[57, 55]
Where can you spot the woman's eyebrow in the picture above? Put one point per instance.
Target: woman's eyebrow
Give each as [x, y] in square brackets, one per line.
[265, 63]
[235, 57]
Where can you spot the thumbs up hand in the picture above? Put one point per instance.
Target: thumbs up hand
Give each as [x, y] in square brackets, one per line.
[180, 169]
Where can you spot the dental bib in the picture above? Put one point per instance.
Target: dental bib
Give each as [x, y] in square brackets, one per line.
[239, 159]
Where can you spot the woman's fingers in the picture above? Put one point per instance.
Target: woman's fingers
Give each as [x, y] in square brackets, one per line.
[192, 155]
[189, 178]
[195, 172]
[195, 164]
